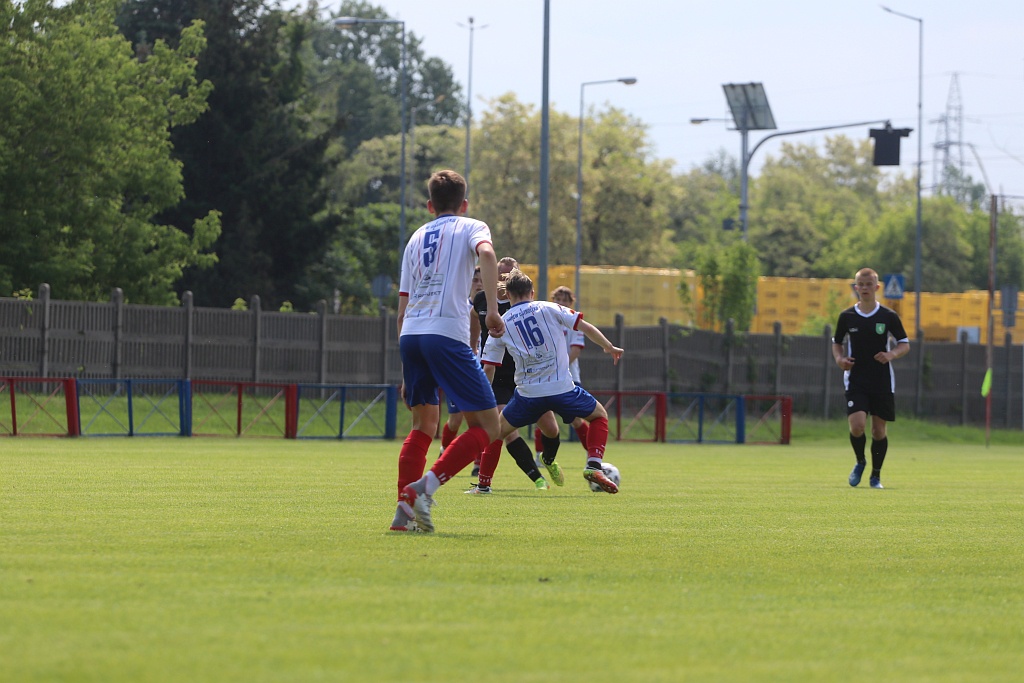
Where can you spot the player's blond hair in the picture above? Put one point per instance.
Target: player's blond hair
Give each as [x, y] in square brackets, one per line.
[866, 272]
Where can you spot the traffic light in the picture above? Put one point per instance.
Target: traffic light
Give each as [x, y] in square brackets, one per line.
[887, 145]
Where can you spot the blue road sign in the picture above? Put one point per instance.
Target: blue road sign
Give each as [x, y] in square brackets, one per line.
[893, 286]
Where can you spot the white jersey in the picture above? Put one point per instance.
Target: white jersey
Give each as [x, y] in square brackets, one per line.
[437, 271]
[535, 337]
[574, 338]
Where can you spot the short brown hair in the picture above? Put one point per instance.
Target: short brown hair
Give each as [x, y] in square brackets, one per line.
[563, 291]
[518, 284]
[447, 191]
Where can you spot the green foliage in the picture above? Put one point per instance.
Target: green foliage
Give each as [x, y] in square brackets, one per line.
[709, 279]
[86, 165]
[257, 156]
[739, 285]
[728, 278]
[365, 245]
[240, 304]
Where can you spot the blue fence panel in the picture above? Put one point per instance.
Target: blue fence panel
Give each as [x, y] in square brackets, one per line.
[704, 418]
[132, 407]
[346, 411]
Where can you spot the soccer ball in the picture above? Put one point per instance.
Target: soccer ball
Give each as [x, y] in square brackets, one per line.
[610, 471]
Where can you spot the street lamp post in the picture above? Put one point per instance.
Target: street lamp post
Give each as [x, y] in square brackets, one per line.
[579, 181]
[350, 22]
[920, 133]
[469, 93]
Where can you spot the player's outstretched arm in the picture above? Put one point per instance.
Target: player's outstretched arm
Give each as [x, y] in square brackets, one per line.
[595, 335]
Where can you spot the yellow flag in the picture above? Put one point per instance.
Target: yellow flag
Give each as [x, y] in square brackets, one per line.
[986, 384]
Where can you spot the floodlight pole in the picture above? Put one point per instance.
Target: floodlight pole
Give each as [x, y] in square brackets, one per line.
[545, 167]
[920, 131]
[469, 95]
[579, 182]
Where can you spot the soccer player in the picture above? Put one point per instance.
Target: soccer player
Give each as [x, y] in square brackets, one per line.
[503, 383]
[454, 421]
[433, 328]
[535, 339]
[866, 356]
[546, 445]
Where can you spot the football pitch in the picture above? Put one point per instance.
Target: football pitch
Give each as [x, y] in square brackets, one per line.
[222, 559]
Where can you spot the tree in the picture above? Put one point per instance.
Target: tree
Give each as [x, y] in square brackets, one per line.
[806, 203]
[625, 192]
[257, 156]
[85, 155]
[739, 284]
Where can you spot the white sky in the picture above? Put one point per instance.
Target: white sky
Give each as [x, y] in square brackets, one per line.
[822, 63]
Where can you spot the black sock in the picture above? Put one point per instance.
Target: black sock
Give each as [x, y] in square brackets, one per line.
[521, 453]
[879, 448]
[550, 448]
[858, 443]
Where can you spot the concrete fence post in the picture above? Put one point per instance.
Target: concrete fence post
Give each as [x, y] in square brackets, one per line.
[620, 336]
[44, 330]
[665, 355]
[730, 352]
[189, 311]
[829, 363]
[963, 378]
[257, 333]
[321, 312]
[777, 329]
[117, 300]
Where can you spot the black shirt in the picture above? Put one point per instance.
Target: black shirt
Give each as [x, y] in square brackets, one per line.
[865, 336]
[506, 373]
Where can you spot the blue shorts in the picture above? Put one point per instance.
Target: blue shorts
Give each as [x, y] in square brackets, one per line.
[430, 361]
[568, 406]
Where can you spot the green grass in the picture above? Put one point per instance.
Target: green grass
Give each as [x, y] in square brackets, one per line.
[163, 559]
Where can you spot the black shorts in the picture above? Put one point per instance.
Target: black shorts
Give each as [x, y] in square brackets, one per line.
[882, 405]
[503, 391]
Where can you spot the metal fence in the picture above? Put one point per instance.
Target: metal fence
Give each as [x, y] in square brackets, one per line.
[114, 340]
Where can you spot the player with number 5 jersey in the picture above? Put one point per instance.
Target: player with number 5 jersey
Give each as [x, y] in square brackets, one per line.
[433, 329]
[535, 338]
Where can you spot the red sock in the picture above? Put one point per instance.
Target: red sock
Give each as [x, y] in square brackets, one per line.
[538, 445]
[412, 458]
[489, 462]
[583, 432]
[460, 453]
[597, 438]
[447, 436]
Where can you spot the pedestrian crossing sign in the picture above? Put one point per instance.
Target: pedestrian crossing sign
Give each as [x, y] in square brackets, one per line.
[893, 286]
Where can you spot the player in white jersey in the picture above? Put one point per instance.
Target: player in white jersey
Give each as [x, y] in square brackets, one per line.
[433, 328]
[546, 445]
[535, 339]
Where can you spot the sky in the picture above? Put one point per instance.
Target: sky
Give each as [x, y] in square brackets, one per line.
[822, 63]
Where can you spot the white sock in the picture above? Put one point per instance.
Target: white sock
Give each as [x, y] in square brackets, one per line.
[432, 483]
